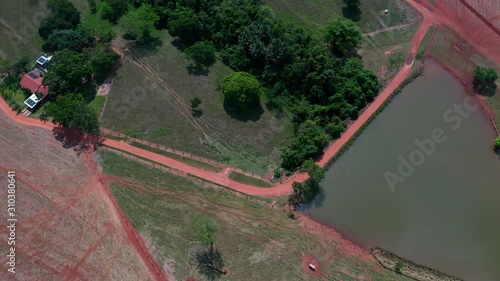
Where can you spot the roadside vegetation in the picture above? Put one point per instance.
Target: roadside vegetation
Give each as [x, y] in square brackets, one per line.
[248, 180]
[254, 241]
[484, 81]
[497, 144]
[322, 87]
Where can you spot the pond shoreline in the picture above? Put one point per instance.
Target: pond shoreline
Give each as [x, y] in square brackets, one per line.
[383, 257]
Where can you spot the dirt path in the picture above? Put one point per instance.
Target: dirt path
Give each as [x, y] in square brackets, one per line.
[429, 18]
[222, 179]
[387, 29]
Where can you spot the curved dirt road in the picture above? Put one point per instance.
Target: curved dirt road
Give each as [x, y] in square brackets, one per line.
[221, 179]
[429, 18]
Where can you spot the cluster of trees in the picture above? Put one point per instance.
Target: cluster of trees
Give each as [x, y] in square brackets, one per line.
[82, 58]
[305, 192]
[484, 81]
[321, 80]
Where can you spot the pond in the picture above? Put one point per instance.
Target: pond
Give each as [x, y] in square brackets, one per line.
[422, 181]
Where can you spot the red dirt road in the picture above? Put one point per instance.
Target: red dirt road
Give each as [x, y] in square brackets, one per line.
[429, 17]
[379, 100]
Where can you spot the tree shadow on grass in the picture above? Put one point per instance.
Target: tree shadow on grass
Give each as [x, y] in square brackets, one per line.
[179, 44]
[147, 46]
[77, 139]
[488, 90]
[197, 69]
[251, 115]
[352, 13]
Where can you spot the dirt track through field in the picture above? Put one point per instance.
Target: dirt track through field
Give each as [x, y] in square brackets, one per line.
[429, 17]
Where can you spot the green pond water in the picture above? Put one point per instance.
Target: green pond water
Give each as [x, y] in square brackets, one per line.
[442, 208]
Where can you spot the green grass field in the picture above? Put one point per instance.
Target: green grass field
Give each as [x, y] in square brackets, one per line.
[256, 242]
[19, 21]
[315, 14]
[463, 59]
[153, 93]
[248, 180]
[186, 160]
[97, 104]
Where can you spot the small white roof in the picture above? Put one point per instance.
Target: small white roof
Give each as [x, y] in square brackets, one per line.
[32, 101]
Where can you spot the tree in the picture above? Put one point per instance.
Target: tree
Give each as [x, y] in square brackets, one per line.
[50, 24]
[207, 259]
[20, 66]
[112, 10]
[202, 53]
[205, 231]
[352, 3]
[303, 193]
[183, 23]
[497, 144]
[70, 111]
[315, 172]
[399, 266]
[63, 16]
[68, 71]
[484, 80]
[308, 142]
[65, 39]
[94, 28]
[92, 6]
[195, 102]
[241, 91]
[65, 10]
[195, 109]
[139, 24]
[102, 59]
[343, 36]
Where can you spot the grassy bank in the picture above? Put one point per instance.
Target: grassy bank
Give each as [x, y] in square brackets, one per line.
[162, 83]
[256, 242]
[461, 59]
[248, 180]
[186, 160]
[409, 268]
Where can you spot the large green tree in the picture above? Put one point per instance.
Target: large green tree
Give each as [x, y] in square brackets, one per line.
[304, 193]
[139, 24]
[207, 259]
[241, 91]
[343, 36]
[102, 59]
[70, 111]
[202, 53]
[69, 70]
[308, 142]
[66, 39]
[63, 15]
[112, 10]
[183, 23]
[497, 144]
[94, 28]
[484, 80]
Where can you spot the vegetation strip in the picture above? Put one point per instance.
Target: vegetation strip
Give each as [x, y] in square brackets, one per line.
[248, 180]
[409, 268]
[408, 80]
[186, 160]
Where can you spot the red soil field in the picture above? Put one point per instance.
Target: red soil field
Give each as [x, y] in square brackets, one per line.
[69, 228]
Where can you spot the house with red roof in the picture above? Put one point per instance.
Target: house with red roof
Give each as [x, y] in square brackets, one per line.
[33, 82]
